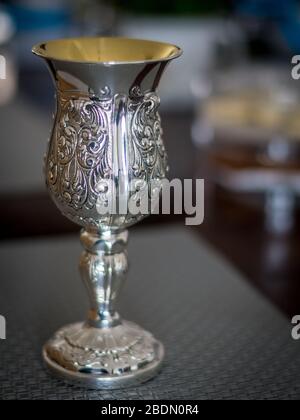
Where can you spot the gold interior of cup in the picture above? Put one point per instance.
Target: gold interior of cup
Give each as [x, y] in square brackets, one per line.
[106, 50]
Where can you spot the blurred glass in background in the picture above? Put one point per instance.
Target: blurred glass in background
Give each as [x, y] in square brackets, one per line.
[248, 113]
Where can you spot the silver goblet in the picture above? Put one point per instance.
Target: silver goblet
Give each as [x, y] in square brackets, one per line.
[107, 132]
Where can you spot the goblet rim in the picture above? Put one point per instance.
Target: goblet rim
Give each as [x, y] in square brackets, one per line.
[161, 51]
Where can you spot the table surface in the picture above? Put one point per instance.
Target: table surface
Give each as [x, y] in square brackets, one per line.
[223, 340]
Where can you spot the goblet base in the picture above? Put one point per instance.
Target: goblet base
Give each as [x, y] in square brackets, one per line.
[104, 358]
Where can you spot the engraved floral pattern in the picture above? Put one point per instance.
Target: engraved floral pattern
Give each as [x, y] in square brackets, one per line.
[79, 155]
[81, 150]
[105, 352]
[149, 158]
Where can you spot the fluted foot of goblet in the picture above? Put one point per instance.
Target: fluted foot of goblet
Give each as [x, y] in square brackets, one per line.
[100, 358]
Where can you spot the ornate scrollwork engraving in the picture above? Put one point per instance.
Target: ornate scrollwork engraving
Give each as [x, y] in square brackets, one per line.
[149, 159]
[80, 348]
[81, 149]
[79, 154]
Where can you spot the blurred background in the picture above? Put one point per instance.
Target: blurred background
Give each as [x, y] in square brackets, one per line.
[230, 112]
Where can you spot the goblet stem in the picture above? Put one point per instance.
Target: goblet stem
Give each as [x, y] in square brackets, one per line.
[105, 351]
[103, 266]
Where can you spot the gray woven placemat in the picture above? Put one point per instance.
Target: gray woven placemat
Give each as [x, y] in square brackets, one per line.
[222, 339]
